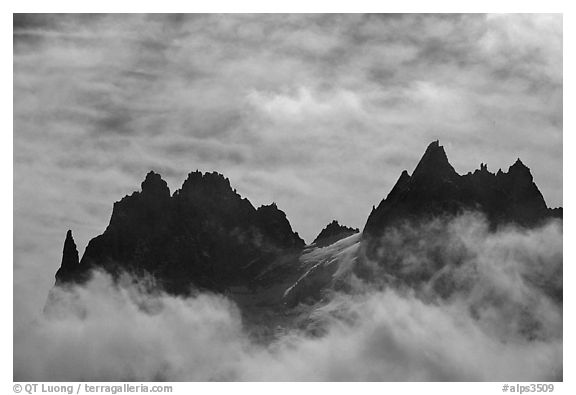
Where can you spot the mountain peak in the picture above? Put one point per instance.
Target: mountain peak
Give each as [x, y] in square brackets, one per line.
[154, 185]
[213, 181]
[70, 259]
[434, 163]
[203, 236]
[332, 233]
[274, 223]
[520, 170]
[70, 249]
[519, 165]
[436, 190]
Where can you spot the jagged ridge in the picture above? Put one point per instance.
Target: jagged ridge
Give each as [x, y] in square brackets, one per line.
[332, 233]
[436, 189]
[205, 235]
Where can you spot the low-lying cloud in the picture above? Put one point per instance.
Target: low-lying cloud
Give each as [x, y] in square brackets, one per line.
[503, 323]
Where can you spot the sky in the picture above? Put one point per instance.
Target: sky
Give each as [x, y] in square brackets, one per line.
[318, 113]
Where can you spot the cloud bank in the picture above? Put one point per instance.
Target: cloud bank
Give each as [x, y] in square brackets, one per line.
[500, 325]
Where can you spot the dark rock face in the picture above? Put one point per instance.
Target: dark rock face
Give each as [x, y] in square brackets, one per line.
[69, 266]
[555, 212]
[408, 237]
[332, 233]
[273, 222]
[203, 236]
[436, 190]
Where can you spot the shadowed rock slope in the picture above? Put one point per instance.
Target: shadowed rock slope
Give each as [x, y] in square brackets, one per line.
[435, 189]
[203, 236]
[332, 233]
[418, 214]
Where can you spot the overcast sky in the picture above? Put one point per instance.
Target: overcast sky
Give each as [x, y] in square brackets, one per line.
[319, 113]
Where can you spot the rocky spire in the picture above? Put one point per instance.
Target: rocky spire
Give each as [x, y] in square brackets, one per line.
[213, 181]
[332, 233]
[434, 164]
[519, 170]
[204, 235]
[154, 185]
[274, 223]
[436, 190]
[70, 252]
[70, 259]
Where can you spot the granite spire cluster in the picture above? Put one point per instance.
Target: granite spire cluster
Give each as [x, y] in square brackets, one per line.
[203, 236]
[436, 189]
[206, 236]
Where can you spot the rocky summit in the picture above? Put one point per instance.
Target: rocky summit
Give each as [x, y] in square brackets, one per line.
[435, 189]
[204, 236]
[332, 233]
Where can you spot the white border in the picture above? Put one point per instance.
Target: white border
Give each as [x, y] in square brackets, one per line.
[6, 167]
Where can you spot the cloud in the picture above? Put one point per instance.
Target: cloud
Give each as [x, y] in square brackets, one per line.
[510, 276]
[129, 331]
[530, 44]
[303, 104]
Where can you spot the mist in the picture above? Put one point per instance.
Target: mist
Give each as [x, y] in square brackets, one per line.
[501, 322]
